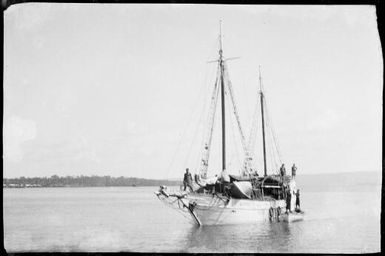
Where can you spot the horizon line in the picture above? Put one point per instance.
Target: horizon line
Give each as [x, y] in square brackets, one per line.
[177, 178]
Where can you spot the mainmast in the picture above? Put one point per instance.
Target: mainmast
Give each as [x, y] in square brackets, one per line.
[221, 64]
[263, 122]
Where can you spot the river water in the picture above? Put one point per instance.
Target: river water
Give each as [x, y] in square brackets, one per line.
[133, 219]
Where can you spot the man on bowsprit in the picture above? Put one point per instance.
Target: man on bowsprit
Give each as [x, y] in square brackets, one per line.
[293, 171]
[187, 180]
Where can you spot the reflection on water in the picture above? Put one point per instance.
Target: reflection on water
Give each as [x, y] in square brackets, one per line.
[265, 237]
[133, 219]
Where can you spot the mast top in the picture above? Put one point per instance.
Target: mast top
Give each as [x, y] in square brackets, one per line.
[260, 80]
[220, 40]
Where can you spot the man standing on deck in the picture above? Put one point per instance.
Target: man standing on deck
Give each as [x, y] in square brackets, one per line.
[225, 177]
[225, 180]
[297, 203]
[282, 170]
[293, 171]
[187, 180]
[288, 201]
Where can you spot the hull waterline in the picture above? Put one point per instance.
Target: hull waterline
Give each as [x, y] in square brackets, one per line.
[216, 211]
[208, 210]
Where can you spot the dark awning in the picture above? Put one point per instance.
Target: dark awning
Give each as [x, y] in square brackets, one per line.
[238, 178]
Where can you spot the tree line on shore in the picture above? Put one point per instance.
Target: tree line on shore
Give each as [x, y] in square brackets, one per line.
[84, 181]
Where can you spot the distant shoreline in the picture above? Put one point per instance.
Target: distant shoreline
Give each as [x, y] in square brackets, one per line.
[84, 181]
[32, 187]
[304, 180]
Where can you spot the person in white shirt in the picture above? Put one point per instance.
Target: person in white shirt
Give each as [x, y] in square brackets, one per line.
[225, 177]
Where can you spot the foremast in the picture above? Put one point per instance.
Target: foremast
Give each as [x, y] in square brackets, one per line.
[219, 86]
[221, 67]
[221, 82]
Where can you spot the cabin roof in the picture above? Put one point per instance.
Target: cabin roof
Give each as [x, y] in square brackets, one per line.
[269, 179]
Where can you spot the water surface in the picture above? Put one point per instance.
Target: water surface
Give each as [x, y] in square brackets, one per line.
[133, 219]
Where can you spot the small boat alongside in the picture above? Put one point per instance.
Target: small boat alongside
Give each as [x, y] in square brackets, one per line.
[292, 216]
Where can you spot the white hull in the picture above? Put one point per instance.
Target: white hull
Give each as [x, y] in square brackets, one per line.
[207, 209]
[212, 210]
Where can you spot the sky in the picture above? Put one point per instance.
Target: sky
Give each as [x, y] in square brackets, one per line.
[124, 89]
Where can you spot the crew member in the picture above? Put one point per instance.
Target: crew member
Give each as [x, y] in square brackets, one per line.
[187, 180]
[293, 170]
[288, 201]
[224, 179]
[282, 170]
[297, 203]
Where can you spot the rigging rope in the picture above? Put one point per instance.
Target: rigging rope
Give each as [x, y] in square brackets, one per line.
[181, 139]
[193, 111]
[253, 130]
[211, 117]
[229, 85]
[273, 135]
[196, 132]
[200, 156]
[213, 45]
[269, 156]
[237, 154]
[235, 111]
[253, 136]
[273, 150]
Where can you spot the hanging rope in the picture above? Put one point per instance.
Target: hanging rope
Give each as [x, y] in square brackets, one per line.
[193, 111]
[274, 136]
[270, 154]
[183, 133]
[203, 141]
[195, 132]
[194, 136]
[253, 136]
[236, 148]
[210, 50]
[211, 117]
[273, 156]
[235, 111]
[253, 130]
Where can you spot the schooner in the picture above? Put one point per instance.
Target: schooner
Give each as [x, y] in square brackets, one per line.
[247, 198]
